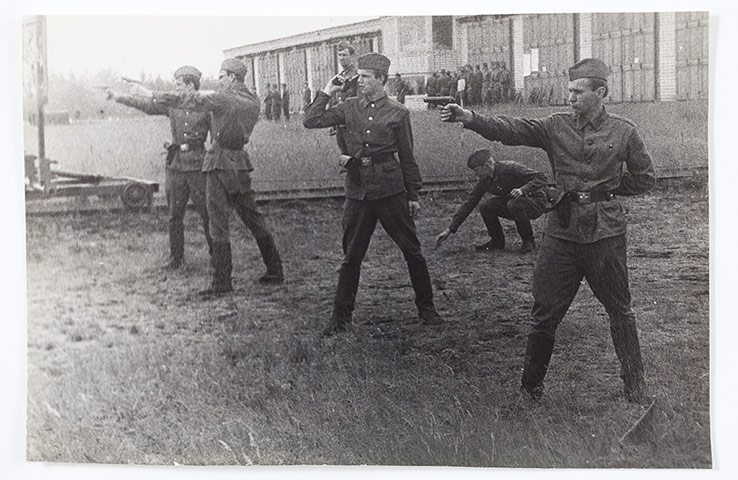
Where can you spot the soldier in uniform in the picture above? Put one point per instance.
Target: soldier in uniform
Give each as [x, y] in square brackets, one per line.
[384, 186]
[276, 102]
[268, 95]
[347, 60]
[585, 234]
[285, 102]
[185, 154]
[401, 88]
[518, 193]
[227, 168]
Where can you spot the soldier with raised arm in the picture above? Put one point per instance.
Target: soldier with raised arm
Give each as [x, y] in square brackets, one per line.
[595, 157]
[227, 167]
[185, 155]
[382, 184]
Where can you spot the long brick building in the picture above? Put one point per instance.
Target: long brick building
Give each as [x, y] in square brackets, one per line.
[660, 56]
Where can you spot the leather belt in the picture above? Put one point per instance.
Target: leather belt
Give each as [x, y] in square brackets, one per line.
[377, 159]
[585, 198]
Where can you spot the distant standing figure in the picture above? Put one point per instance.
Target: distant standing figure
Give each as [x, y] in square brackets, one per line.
[285, 101]
[401, 88]
[268, 101]
[307, 96]
[276, 103]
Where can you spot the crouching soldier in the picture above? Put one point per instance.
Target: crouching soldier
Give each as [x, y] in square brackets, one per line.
[518, 194]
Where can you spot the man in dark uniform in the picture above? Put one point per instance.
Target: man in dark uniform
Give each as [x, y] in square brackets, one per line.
[227, 168]
[184, 178]
[383, 186]
[276, 103]
[307, 96]
[268, 95]
[347, 60]
[518, 193]
[401, 88]
[285, 101]
[585, 233]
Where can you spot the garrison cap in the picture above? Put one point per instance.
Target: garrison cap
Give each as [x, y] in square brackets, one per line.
[187, 70]
[374, 61]
[234, 65]
[589, 68]
[478, 158]
[344, 45]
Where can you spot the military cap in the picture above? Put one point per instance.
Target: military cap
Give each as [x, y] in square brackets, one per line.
[589, 68]
[374, 61]
[187, 70]
[234, 65]
[344, 45]
[478, 158]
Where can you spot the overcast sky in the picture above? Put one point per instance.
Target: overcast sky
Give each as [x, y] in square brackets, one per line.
[160, 44]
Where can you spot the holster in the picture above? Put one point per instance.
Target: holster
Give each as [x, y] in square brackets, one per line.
[353, 170]
[172, 150]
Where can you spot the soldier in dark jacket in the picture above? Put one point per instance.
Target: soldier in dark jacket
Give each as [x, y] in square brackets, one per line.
[595, 157]
[307, 97]
[285, 101]
[518, 193]
[227, 168]
[268, 95]
[382, 188]
[276, 103]
[184, 178]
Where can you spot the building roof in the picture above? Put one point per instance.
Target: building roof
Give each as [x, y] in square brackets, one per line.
[326, 34]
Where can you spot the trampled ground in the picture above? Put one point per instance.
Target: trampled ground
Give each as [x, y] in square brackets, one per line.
[126, 366]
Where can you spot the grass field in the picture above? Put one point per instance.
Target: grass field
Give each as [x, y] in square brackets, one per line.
[286, 155]
[125, 365]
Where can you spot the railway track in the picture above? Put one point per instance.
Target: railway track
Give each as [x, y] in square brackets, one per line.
[91, 205]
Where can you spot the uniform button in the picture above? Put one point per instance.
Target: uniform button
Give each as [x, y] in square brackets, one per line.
[372, 105]
[368, 131]
[366, 144]
[186, 124]
[371, 118]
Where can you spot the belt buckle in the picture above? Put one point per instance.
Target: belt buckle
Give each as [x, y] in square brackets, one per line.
[584, 197]
[184, 147]
[366, 161]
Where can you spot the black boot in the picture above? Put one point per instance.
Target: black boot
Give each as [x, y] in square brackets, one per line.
[628, 349]
[176, 247]
[223, 266]
[270, 255]
[344, 300]
[420, 279]
[537, 356]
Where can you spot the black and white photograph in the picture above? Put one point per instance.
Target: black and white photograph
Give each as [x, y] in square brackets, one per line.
[422, 243]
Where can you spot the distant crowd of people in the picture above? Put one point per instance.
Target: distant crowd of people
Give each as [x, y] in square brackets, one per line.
[473, 85]
[276, 102]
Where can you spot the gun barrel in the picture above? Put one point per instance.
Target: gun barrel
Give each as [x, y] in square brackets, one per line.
[439, 100]
[129, 80]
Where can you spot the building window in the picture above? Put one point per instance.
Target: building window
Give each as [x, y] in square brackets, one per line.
[443, 32]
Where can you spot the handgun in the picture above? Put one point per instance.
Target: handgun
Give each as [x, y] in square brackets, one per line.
[442, 101]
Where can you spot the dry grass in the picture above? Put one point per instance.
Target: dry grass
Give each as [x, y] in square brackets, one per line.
[126, 366]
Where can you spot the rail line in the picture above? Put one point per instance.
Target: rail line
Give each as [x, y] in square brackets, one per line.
[90, 205]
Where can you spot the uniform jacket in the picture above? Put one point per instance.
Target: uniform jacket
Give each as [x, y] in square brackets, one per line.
[235, 111]
[373, 128]
[506, 176]
[584, 157]
[188, 128]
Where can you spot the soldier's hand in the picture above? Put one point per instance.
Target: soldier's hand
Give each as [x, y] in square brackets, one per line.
[331, 88]
[454, 113]
[516, 193]
[414, 207]
[442, 237]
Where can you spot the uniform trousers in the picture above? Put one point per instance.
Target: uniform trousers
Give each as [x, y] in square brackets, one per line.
[179, 187]
[521, 210]
[360, 218]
